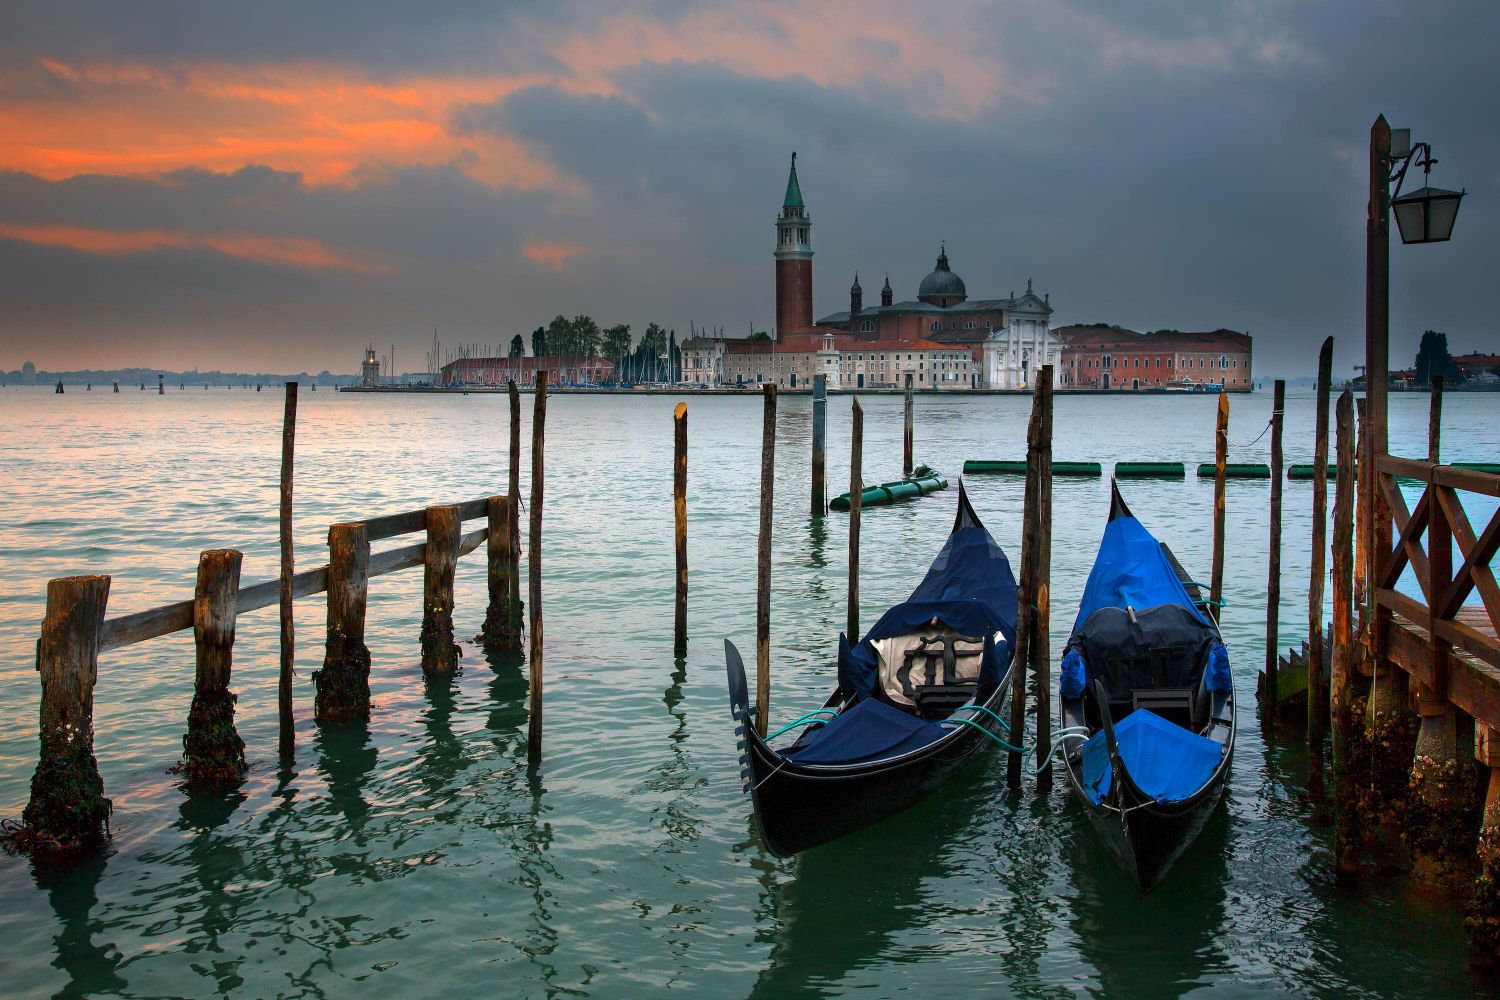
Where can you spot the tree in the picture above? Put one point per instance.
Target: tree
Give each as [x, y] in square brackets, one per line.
[1433, 359]
[517, 347]
[615, 343]
[560, 337]
[585, 337]
[759, 335]
[539, 342]
[674, 357]
[648, 352]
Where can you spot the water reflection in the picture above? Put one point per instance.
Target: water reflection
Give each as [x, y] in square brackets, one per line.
[676, 776]
[1166, 943]
[817, 541]
[214, 861]
[440, 758]
[346, 758]
[91, 967]
[845, 905]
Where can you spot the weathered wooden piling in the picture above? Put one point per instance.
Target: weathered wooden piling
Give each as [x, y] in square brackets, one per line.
[1025, 600]
[213, 755]
[1316, 668]
[513, 486]
[495, 633]
[1221, 457]
[534, 565]
[819, 442]
[856, 491]
[1041, 656]
[1269, 706]
[763, 562]
[679, 514]
[68, 813]
[1347, 728]
[906, 432]
[343, 685]
[1440, 812]
[288, 569]
[1483, 919]
[440, 564]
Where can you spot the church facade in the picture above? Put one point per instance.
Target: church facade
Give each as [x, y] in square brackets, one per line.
[942, 339]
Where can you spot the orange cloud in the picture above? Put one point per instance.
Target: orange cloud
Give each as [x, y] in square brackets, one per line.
[554, 254]
[287, 250]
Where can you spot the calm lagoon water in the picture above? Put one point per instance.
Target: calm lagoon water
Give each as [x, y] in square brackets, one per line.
[420, 854]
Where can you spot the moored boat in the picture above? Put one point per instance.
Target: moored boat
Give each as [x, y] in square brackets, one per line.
[926, 688]
[1146, 676]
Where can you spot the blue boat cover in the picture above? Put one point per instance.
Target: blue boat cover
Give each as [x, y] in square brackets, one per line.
[1131, 571]
[969, 587]
[1165, 761]
[870, 730]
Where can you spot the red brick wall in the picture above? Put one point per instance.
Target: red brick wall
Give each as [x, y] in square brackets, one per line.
[794, 305]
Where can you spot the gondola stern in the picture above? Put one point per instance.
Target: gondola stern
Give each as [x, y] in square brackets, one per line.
[739, 708]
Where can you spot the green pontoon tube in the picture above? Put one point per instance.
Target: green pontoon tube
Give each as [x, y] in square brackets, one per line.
[1149, 470]
[1007, 468]
[1234, 470]
[922, 482]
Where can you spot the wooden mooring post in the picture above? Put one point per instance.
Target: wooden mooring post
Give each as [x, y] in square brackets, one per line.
[1439, 812]
[343, 685]
[679, 516]
[1221, 457]
[1343, 676]
[502, 627]
[1269, 705]
[1316, 668]
[288, 570]
[856, 496]
[906, 432]
[534, 564]
[68, 813]
[1021, 659]
[1041, 621]
[763, 562]
[440, 564]
[819, 441]
[1483, 918]
[213, 755]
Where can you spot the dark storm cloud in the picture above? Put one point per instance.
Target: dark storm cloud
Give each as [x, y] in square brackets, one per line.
[1157, 165]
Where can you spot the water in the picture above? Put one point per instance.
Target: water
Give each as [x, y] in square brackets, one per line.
[421, 855]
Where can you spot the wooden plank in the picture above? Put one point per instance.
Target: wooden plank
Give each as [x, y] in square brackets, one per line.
[1221, 457]
[679, 517]
[1407, 547]
[1404, 467]
[1472, 480]
[534, 566]
[1477, 553]
[391, 525]
[1473, 686]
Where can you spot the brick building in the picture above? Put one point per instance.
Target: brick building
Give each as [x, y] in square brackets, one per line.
[1116, 358]
[480, 372]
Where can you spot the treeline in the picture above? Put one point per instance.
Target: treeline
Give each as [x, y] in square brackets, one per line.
[655, 357]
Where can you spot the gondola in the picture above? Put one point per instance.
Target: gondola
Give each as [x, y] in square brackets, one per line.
[1145, 678]
[925, 689]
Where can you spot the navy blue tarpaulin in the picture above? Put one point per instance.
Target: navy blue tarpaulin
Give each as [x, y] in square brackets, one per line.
[969, 588]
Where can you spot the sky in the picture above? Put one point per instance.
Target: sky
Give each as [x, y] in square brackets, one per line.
[272, 186]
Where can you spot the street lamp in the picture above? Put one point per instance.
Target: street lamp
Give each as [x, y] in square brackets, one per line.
[1427, 214]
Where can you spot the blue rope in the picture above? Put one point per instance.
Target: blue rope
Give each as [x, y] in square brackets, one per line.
[811, 718]
[971, 722]
[980, 708]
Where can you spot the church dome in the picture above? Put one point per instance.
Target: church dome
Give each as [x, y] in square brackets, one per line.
[942, 287]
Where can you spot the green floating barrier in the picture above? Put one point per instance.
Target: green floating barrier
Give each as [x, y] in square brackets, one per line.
[1306, 471]
[1491, 467]
[973, 466]
[1235, 471]
[923, 482]
[1150, 470]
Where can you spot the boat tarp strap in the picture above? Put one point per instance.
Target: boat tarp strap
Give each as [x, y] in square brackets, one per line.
[870, 730]
[1165, 761]
[969, 588]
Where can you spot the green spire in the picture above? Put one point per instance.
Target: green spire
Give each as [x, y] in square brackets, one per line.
[793, 189]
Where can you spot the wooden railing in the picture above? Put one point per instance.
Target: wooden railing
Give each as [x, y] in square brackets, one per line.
[1439, 520]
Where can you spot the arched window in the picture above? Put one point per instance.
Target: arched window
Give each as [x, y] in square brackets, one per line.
[868, 326]
[936, 326]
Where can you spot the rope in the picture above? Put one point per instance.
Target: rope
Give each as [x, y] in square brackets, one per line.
[980, 708]
[811, 718]
[971, 722]
[1274, 415]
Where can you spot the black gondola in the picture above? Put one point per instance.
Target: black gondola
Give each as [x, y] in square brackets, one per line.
[924, 689]
[1146, 676]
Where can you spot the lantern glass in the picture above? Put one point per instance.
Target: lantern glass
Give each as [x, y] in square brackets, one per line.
[1426, 215]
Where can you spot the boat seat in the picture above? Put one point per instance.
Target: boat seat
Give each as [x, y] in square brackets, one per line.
[931, 672]
[1173, 704]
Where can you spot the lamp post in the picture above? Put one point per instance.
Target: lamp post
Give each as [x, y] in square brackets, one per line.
[1423, 216]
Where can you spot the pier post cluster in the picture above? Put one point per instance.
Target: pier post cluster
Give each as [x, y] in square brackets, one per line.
[68, 815]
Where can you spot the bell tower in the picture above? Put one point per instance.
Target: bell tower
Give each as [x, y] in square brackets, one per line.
[793, 260]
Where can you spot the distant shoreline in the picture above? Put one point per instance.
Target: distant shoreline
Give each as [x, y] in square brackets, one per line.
[755, 391]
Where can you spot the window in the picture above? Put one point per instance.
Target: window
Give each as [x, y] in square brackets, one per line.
[936, 326]
[867, 327]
